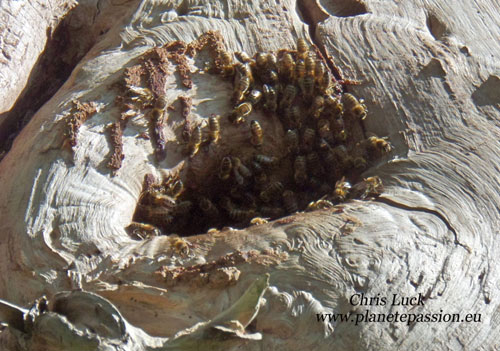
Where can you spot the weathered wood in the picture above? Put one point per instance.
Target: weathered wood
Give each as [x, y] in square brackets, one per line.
[429, 73]
[24, 30]
[42, 41]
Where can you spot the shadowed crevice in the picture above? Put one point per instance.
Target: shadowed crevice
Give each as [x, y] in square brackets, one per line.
[344, 8]
[48, 74]
[487, 93]
[310, 12]
[66, 45]
[183, 8]
[433, 212]
[436, 27]
[433, 69]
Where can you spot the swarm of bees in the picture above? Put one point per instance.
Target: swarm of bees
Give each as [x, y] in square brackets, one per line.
[326, 148]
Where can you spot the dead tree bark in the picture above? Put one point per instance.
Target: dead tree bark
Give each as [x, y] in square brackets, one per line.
[429, 72]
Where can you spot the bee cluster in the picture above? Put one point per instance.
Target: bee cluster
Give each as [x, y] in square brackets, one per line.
[326, 148]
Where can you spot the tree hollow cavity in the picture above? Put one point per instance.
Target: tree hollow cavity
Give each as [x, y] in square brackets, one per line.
[248, 138]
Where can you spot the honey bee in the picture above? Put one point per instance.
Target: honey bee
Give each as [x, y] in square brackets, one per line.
[272, 212]
[302, 48]
[239, 112]
[160, 215]
[314, 182]
[260, 180]
[226, 203]
[290, 201]
[272, 62]
[257, 167]
[242, 169]
[214, 128]
[246, 198]
[143, 96]
[240, 89]
[341, 136]
[260, 65]
[238, 178]
[354, 106]
[324, 83]
[374, 187]
[328, 155]
[342, 156]
[150, 183]
[208, 208]
[324, 145]
[180, 246]
[310, 63]
[182, 208]
[268, 161]
[300, 174]
[257, 136]
[143, 135]
[273, 189]
[300, 70]
[258, 221]
[241, 215]
[317, 106]
[308, 86]
[319, 72]
[244, 70]
[260, 61]
[161, 104]
[194, 141]
[254, 96]
[286, 118]
[320, 204]
[378, 146]
[286, 67]
[143, 230]
[292, 141]
[159, 199]
[176, 189]
[289, 94]
[333, 106]
[243, 57]
[235, 193]
[158, 114]
[342, 189]
[297, 116]
[270, 98]
[235, 213]
[340, 151]
[225, 168]
[270, 77]
[337, 123]
[308, 139]
[360, 163]
[226, 59]
[324, 131]
[314, 164]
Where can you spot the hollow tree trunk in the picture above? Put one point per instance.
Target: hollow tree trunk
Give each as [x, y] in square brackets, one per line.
[429, 73]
